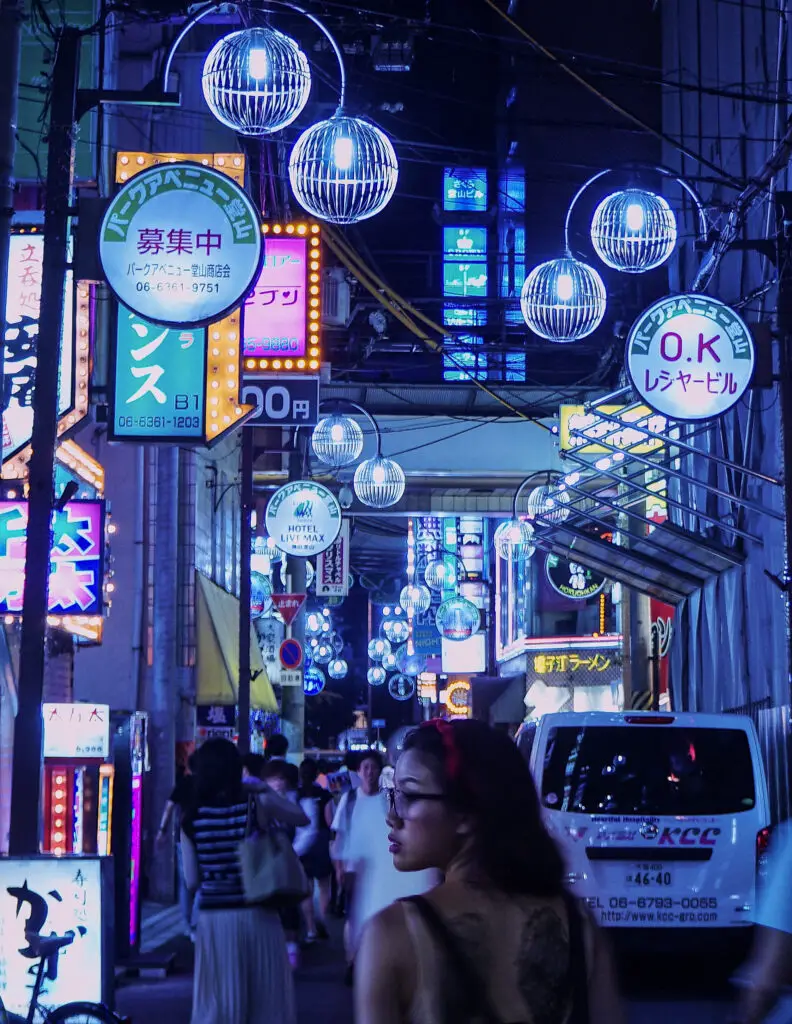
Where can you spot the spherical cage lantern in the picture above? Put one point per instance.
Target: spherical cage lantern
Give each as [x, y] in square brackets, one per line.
[439, 574]
[563, 300]
[550, 503]
[337, 441]
[377, 649]
[337, 668]
[343, 170]
[514, 540]
[376, 676]
[256, 81]
[457, 619]
[415, 597]
[379, 482]
[634, 231]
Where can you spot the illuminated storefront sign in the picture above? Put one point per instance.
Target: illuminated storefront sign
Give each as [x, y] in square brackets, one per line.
[690, 357]
[159, 381]
[55, 896]
[332, 566]
[571, 579]
[23, 308]
[77, 563]
[574, 420]
[76, 731]
[180, 244]
[458, 698]
[283, 309]
[465, 188]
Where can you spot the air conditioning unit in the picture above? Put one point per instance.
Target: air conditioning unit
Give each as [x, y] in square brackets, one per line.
[336, 298]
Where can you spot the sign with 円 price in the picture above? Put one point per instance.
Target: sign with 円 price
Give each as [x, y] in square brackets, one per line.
[690, 357]
[181, 244]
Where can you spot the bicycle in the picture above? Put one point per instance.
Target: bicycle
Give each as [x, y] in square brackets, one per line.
[44, 949]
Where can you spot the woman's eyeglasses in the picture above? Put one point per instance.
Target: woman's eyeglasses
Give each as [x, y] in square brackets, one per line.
[401, 802]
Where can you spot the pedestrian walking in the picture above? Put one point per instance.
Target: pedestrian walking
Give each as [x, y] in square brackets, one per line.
[370, 878]
[242, 973]
[499, 939]
[177, 803]
[284, 779]
[312, 846]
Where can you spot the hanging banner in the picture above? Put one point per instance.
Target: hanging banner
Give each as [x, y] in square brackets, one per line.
[571, 579]
[270, 633]
[181, 244]
[332, 566]
[303, 518]
[76, 559]
[690, 357]
[158, 382]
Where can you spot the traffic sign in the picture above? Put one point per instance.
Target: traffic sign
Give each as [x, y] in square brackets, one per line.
[377, 723]
[291, 677]
[281, 401]
[291, 654]
[288, 605]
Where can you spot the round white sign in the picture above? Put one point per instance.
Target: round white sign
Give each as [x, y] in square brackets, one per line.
[181, 244]
[303, 518]
[690, 357]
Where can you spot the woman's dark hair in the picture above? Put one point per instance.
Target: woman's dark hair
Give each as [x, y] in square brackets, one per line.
[484, 775]
[309, 772]
[277, 746]
[255, 764]
[283, 770]
[370, 755]
[218, 774]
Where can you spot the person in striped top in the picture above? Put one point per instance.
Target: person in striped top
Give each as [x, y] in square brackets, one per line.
[242, 973]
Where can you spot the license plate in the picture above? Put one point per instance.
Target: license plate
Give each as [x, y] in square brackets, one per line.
[649, 876]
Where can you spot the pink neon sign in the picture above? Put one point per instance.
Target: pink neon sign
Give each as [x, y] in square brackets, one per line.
[276, 311]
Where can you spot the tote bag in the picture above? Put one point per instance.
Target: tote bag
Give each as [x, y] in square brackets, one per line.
[272, 875]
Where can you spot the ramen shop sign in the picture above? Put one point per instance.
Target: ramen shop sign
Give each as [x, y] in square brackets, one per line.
[181, 244]
[690, 357]
[303, 518]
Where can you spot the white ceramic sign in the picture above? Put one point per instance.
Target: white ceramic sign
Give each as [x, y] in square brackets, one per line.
[690, 357]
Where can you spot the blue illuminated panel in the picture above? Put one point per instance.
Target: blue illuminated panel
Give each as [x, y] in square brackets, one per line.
[465, 188]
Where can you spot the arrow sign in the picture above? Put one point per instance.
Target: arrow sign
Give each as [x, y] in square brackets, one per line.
[224, 408]
[288, 606]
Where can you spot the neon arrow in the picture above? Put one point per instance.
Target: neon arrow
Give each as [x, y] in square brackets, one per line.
[224, 411]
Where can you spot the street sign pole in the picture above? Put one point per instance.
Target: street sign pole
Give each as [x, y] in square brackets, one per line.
[246, 540]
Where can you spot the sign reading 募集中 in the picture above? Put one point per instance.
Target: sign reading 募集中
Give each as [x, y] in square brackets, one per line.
[690, 357]
[181, 244]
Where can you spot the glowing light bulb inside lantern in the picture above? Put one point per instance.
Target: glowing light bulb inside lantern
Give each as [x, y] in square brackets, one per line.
[564, 287]
[343, 152]
[635, 217]
[257, 63]
[337, 433]
[378, 475]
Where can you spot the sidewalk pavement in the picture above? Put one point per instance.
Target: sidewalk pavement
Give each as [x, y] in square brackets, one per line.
[321, 993]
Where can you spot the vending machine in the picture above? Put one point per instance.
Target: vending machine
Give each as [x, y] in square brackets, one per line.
[78, 780]
[131, 762]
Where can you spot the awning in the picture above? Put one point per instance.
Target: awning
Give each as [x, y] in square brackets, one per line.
[217, 627]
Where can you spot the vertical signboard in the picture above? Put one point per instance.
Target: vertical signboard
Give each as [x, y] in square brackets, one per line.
[158, 381]
[332, 566]
[76, 559]
[20, 342]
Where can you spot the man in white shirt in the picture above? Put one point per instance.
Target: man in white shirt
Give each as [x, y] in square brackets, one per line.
[361, 845]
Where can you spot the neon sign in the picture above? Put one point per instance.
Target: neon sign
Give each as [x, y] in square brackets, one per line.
[76, 559]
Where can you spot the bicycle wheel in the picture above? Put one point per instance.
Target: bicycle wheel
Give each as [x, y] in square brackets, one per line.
[82, 1013]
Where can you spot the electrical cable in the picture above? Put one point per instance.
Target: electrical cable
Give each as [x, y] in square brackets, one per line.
[616, 107]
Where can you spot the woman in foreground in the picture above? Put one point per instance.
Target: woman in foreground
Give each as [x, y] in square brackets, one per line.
[499, 941]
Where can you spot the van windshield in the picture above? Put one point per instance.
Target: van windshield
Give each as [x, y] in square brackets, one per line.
[647, 770]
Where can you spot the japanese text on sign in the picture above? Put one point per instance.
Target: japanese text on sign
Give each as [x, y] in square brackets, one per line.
[276, 310]
[20, 342]
[690, 357]
[76, 730]
[546, 663]
[76, 558]
[159, 380]
[181, 244]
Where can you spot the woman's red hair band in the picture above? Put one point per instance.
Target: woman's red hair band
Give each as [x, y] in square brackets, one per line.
[451, 755]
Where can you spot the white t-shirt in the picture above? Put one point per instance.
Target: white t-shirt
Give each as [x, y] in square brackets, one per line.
[364, 849]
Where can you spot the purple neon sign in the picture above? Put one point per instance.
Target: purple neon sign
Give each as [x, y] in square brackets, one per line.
[276, 310]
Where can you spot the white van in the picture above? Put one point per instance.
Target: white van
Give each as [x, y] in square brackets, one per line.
[663, 817]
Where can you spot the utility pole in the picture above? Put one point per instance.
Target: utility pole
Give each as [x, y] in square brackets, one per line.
[293, 699]
[245, 540]
[784, 310]
[26, 779]
[10, 50]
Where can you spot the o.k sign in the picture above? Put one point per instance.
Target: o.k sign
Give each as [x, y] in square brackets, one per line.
[181, 244]
[690, 357]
